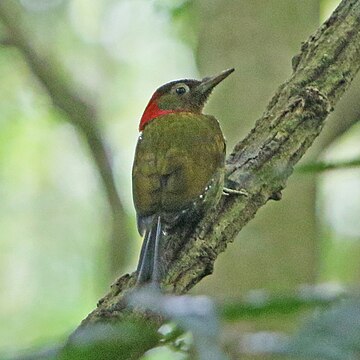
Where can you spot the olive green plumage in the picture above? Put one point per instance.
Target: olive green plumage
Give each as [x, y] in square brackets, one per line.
[177, 155]
[178, 170]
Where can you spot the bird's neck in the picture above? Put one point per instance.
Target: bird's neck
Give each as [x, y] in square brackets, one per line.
[152, 111]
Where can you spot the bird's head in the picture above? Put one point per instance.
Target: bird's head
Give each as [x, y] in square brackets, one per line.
[181, 96]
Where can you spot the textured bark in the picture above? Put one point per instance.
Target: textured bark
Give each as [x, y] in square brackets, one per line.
[260, 38]
[263, 161]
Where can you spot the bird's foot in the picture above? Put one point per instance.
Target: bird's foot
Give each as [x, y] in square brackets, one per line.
[227, 192]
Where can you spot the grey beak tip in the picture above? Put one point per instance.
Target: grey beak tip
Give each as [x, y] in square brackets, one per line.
[227, 72]
[209, 83]
[231, 70]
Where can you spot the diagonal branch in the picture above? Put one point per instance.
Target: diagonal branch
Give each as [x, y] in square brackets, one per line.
[78, 112]
[263, 161]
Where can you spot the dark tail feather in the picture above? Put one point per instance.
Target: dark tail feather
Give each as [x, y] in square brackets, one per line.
[148, 269]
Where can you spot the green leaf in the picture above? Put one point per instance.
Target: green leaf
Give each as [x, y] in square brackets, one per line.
[126, 340]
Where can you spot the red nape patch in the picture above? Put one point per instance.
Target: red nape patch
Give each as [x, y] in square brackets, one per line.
[153, 111]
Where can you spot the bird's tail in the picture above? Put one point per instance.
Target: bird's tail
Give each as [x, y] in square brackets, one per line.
[148, 269]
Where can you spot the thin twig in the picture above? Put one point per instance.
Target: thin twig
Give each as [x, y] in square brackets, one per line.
[319, 167]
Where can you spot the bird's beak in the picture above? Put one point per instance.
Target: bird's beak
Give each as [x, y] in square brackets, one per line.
[208, 83]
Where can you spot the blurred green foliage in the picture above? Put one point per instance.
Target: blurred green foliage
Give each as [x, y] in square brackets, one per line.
[54, 220]
[330, 335]
[122, 341]
[333, 333]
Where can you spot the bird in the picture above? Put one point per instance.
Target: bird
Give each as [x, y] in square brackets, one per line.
[179, 165]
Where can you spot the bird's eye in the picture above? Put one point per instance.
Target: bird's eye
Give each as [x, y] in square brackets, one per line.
[181, 90]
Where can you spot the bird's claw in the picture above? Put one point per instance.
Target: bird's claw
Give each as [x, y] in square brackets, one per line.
[228, 191]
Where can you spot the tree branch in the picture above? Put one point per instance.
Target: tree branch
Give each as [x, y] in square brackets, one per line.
[6, 41]
[263, 161]
[78, 112]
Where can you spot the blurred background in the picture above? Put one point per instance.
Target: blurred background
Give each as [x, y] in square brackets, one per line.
[66, 233]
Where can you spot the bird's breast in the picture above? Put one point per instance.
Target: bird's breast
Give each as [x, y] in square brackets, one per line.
[177, 156]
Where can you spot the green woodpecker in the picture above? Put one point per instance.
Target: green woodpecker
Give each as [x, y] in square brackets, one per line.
[178, 170]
